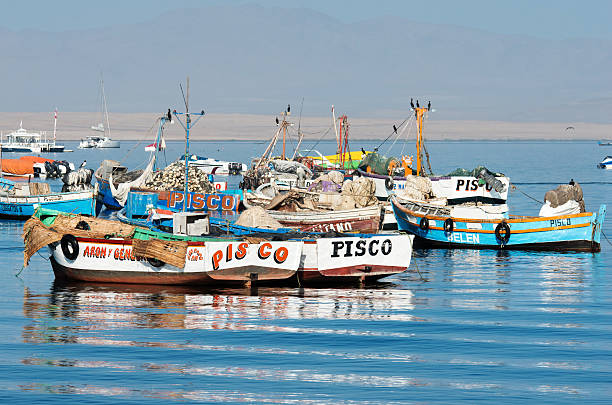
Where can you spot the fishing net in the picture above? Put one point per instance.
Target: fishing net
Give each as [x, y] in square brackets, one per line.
[35, 237]
[378, 164]
[257, 217]
[564, 193]
[170, 252]
[89, 227]
[357, 193]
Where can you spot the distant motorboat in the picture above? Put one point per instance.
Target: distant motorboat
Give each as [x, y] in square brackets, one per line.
[28, 142]
[606, 163]
[98, 142]
[215, 166]
[604, 143]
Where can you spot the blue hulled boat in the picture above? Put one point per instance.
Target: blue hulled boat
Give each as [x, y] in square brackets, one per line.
[20, 200]
[433, 226]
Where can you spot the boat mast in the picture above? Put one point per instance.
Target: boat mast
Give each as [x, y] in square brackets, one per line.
[420, 113]
[107, 128]
[285, 124]
[54, 126]
[336, 130]
[187, 126]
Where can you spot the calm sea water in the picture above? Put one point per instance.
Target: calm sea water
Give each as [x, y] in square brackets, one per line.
[459, 326]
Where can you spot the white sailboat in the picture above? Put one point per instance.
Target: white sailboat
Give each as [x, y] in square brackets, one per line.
[104, 140]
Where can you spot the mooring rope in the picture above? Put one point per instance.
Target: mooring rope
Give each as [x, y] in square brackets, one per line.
[514, 187]
[604, 235]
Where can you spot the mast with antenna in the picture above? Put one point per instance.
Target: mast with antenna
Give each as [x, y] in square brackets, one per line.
[187, 126]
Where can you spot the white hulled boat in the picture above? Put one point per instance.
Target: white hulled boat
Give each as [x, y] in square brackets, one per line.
[29, 142]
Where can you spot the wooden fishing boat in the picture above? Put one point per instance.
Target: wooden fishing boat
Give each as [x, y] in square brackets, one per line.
[318, 217]
[456, 189]
[20, 200]
[364, 220]
[433, 226]
[98, 250]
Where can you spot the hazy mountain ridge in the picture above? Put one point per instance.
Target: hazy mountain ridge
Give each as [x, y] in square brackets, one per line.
[253, 59]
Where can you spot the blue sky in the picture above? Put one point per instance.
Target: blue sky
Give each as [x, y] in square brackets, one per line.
[552, 19]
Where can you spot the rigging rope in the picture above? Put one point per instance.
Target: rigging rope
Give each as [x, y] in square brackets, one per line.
[392, 132]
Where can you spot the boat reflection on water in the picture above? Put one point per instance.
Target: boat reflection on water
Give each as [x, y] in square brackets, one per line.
[71, 309]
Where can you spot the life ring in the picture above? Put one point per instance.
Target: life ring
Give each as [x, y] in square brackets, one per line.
[424, 224]
[83, 225]
[155, 262]
[449, 225]
[502, 232]
[389, 183]
[70, 246]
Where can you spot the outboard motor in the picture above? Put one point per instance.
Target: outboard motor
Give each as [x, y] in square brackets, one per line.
[52, 170]
[234, 168]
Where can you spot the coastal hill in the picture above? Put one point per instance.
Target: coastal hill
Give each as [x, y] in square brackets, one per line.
[249, 59]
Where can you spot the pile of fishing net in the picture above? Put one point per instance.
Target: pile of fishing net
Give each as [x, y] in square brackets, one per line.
[356, 193]
[379, 164]
[331, 181]
[257, 217]
[172, 178]
[564, 200]
[417, 188]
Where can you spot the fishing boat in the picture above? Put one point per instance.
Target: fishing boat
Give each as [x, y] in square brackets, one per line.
[487, 227]
[29, 142]
[104, 140]
[98, 250]
[20, 200]
[606, 163]
[34, 166]
[391, 175]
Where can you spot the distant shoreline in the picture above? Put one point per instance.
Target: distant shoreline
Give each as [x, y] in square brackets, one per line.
[216, 127]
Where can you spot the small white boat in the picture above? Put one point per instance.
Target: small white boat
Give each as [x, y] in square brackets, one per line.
[98, 142]
[215, 166]
[29, 142]
[606, 163]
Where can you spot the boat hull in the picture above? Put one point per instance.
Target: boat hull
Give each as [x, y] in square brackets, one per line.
[456, 189]
[78, 202]
[326, 260]
[577, 232]
[105, 196]
[363, 220]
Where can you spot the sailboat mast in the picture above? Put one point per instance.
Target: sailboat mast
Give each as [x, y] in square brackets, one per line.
[54, 126]
[107, 129]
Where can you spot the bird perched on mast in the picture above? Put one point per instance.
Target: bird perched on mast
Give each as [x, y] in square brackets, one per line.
[428, 105]
[411, 104]
[394, 128]
[276, 120]
[418, 106]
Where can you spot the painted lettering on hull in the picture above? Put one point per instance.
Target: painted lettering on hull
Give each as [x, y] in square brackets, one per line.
[338, 227]
[560, 222]
[466, 238]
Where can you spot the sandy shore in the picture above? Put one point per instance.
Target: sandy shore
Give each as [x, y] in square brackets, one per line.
[143, 126]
